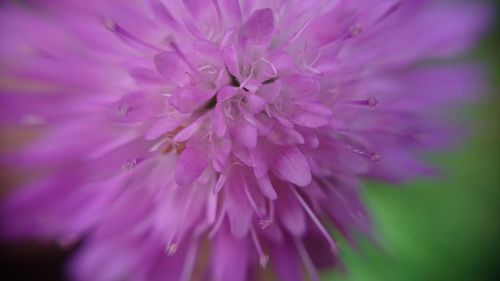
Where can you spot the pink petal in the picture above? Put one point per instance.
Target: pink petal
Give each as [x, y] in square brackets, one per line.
[230, 258]
[259, 28]
[230, 57]
[219, 122]
[191, 163]
[245, 133]
[292, 166]
[290, 212]
[312, 115]
[172, 67]
[189, 99]
[231, 9]
[165, 125]
[266, 187]
[255, 104]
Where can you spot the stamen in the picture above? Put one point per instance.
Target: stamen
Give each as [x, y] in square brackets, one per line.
[373, 156]
[125, 35]
[189, 262]
[218, 223]
[316, 58]
[275, 71]
[322, 229]
[171, 248]
[219, 184]
[267, 221]
[371, 102]
[252, 201]
[173, 244]
[211, 213]
[306, 260]
[157, 145]
[263, 258]
[297, 34]
[129, 164]
[122, 110]
[249, 77]
[355, 30]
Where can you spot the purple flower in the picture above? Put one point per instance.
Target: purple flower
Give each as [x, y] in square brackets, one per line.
[204, 139]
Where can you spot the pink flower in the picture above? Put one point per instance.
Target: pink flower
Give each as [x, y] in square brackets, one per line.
[217, 136]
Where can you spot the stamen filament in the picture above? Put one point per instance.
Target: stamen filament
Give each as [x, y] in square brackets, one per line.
[316, 221]
[306, 260]
[263, 258]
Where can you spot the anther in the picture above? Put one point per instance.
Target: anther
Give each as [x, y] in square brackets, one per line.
[265, 222]
[129, 164]
[122, 110]
[171, 248]
[371, 102]
[373, 156]
[355, 30]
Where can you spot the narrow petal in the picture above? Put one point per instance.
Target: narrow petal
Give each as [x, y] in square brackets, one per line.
[245, 133]
[189, 99]
[292, 166]
[165, 125]
[219, 122]
[289, 212]
[312, 115]
[230, 258]
[172, 67]
[259, 28]
[191, 163]
[266, 187]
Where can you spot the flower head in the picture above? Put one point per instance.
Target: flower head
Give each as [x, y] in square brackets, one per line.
[220, 135]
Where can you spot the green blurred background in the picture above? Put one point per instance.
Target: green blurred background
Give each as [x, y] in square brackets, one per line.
[444, 229]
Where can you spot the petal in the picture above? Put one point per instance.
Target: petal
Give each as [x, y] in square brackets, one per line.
[266, 187]
[285, 262]
[218, 121]
[226, 93]
[165, 125]
[231, 10]
[259, 28]
[230, 257]
[162, 13]
[230, 57]
[245, 133]
[291, 165]
[197, 7]
[188, 132]
[145, 75]
[312, 115]
[189, 99]
[299, 87]
[172, 67]
[191, 163]
[289, 211]
[239, 210]
[221, 150]
[255, 104]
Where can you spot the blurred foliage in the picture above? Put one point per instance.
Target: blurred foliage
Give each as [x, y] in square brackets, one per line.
[444, 229]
